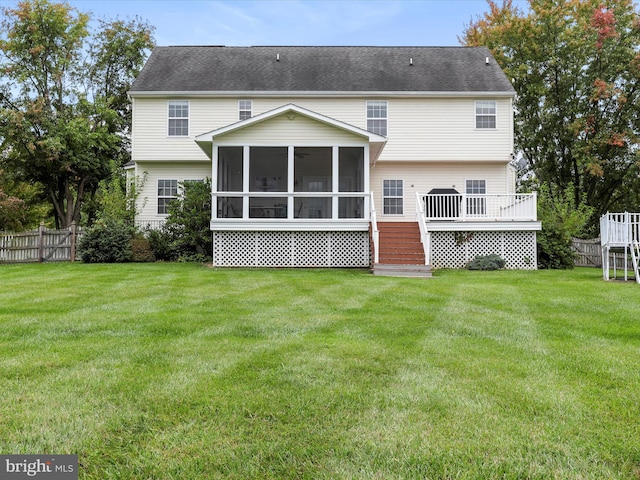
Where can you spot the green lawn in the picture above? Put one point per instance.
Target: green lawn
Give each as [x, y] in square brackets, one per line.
[178, 371]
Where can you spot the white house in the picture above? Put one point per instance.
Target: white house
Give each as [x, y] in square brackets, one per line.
[336, 156]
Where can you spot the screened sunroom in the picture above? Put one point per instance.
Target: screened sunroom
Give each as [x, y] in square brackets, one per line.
[288, 169]
[291, 188]
[292, 183]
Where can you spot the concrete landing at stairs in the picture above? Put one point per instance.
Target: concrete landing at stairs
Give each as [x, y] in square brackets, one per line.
[402, 270]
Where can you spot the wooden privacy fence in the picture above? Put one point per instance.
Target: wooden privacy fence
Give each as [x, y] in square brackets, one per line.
[589, 254]
[41, 245]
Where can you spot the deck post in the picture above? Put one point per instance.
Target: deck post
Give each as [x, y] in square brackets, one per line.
[72, 253]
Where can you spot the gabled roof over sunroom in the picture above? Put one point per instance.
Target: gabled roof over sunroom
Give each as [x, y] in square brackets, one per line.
[291, 112]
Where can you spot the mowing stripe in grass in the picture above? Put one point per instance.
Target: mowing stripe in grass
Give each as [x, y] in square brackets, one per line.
[179, 371]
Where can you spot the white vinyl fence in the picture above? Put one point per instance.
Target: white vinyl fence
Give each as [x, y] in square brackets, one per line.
[41, 245]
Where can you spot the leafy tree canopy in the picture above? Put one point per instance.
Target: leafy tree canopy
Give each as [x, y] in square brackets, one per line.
[575, 65]
[64, 114]
[20, 207]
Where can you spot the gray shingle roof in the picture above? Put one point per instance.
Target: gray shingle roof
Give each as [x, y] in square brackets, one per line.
[321, 69]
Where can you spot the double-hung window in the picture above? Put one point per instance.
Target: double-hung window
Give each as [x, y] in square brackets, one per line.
[486, 114]
[244, 109]
[476, 201]
[178, 118]
[392, 197]
[377, 117]
[167, 192]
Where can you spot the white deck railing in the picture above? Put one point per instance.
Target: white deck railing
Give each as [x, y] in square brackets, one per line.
[425, 236]
[375, 233]
[619, 229]
[467, 207]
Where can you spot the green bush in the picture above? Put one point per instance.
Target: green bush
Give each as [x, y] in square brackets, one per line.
[161, 244]
[107, 241]
[188, 223]
[561, 221]
[487, 262]
[186, 236]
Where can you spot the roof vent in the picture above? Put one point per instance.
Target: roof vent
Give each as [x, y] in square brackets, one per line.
[277, 57]
[411, 61]
[486, 60]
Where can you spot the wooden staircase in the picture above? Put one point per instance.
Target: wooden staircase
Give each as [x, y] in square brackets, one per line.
[401, 253]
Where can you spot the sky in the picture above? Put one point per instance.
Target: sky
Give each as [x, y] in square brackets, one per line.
[295, 22]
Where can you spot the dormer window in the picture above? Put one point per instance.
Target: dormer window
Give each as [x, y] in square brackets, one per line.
[377, 117]
[178, 118]
[486, 114]
[244, 109]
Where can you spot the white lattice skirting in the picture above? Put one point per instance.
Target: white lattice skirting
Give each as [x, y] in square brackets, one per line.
[291, 249]
[456, 249]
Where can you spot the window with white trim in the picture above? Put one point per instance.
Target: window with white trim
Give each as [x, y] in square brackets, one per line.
[392, 197]
[178, 118]
[476, 202]
[244, 109]
[167, 192]
[486, 114]
[377, 117]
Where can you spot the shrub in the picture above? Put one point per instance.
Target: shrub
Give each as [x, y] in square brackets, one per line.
[141, 249]
[487, 262]
[561, 221]
[107, 241]
[186, 236]
[161, 244]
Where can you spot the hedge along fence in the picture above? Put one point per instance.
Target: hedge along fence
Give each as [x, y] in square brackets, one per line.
[41, 245]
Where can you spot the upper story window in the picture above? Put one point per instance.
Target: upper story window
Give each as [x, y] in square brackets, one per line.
[178, 118]
[485, 114]
[377, 117]
[244, 109]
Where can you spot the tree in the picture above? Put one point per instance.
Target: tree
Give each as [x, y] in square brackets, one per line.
[576, 69]
[189, 220]
[186, 235]
[62, 116]
[561, 223]
[21, 207]
[116, 196]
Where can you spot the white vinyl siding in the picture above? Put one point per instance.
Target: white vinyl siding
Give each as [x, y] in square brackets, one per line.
[419, 129]
[426, 176]
[149, 173]
[283, 131]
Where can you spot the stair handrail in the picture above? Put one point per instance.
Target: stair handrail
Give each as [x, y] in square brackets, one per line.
[375, 233]
[635, 254]
[425, 236]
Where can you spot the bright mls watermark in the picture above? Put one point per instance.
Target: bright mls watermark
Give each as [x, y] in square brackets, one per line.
[49, 467]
